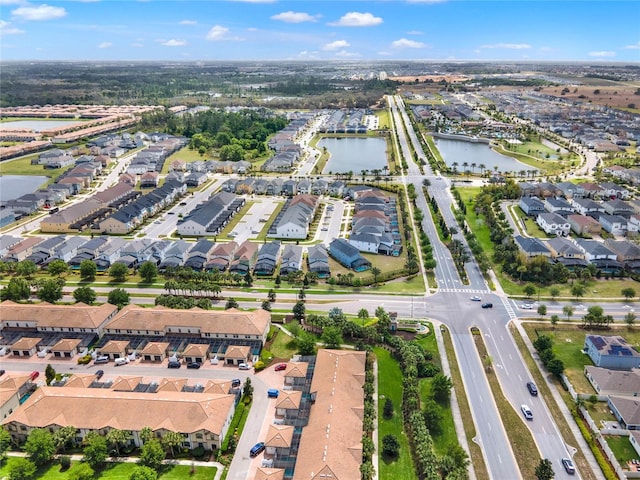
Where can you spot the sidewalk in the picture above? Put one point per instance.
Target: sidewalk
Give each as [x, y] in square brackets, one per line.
[195, 463]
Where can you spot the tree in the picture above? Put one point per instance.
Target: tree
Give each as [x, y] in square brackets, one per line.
[247, 389]
[231, 303]
[542, 310]
[119, 297]
[57, 267]
[172, 440]
[272, 295]
[26, 268]
[117, 437]
[118, 272]
[81, 471]
[5, 443]
[145, 434]
[17, 289]
[64, 437]
[387, 411]
[299, 310]
[556, 367]
[49, 374]
[21, 468]
[95, 450]
[306, 344]
[432, 417]
[266, 305]
[544, 470]
[554, 292]
[390, 446]
[50, 290]
[85, 295]
[554, 320]
[40, 446]
[630, 319]
[152, 454]
[88, 270]
[363, 314]
[301, 294]
[375, 271]
[568, 311]
[529, 290]
[578, 290]
[332, 337]
[148, 271]
[441, 388]
[140, 472]
[628, 293]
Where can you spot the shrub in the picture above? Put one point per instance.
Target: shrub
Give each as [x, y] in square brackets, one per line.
[259, 365]
[198, 452]
[84, 360]
[65, 462]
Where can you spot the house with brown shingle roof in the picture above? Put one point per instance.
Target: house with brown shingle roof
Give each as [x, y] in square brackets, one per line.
[115, 349]
[196, 352]
[331, 443]
[66, 348]
[154, 351]
[266, 473]
[236, 354]
[12, 387]
[278, 440]
[202, 418]
[25, 347]
[295, 374]
[125, 384]
[288, 403]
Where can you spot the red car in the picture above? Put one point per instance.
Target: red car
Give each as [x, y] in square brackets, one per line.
[280, 367]
[34, 375]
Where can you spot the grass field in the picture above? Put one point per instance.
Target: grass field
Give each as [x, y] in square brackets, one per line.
[390, 386]
[121, 471]
[622, 449]
[282, 346]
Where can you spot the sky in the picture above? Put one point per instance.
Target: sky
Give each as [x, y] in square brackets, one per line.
[209, 30]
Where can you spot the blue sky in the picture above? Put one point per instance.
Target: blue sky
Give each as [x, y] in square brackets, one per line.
[320, 30]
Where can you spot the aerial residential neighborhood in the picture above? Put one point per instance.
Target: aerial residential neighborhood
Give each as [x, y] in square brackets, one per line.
[319, 240]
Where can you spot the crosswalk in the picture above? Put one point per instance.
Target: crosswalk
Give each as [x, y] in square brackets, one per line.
[463, 290]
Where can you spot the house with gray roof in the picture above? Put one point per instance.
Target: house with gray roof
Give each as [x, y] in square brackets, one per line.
[613, 224]
[67, 250]
[613, 382]
[618, 207]
[365, 242]
[531, 206]
[531, 246]
[199, 254]
[348, 255]
[291, 259]
[553, 224]
[210, 217]
[559, 206]
[611, 352]
[599, 255]
[244, 258]
[585, 206]
[626, 410]
[318, 260]
[294, 219]
[268, 258]
[565, 251]
[176, 256]
[628, 253]
[110, 253]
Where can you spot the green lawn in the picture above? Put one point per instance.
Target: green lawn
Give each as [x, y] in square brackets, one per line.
[186, 155]
[390, 386]
[622, 449]
[22, 166]
[283, 345]
[122, 471]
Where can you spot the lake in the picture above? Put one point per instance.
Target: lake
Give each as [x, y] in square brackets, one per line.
[14, 186]
[461, 151]
[36, 125]
[354, 154]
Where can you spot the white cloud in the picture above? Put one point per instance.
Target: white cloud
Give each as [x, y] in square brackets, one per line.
[174, 43]
[7, 29]
[383, 53]
[602, 53]
[11, 2]
[105, 45]
[219, 33]
[188, 22]
[415, 32]
[337, 45]
[357, 19]
[346, 54]
[294, 17]
[406, 43]
[39, 12]
[509, 46]
[635, 46]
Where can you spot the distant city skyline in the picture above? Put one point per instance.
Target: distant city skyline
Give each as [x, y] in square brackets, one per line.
[440, 30]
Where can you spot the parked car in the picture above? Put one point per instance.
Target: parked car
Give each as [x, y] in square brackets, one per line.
[243, 366]
[173, 364]
[533, 390]
[35, 374]
[99, 374]
[235, 383]
[568, 466]
[475, 298]
[121, 361]
[2, 372]
[487, 305]
[273, 393]
[526, 411]
[193, 365]
[101, 359]
[280, 367]
[257, 449]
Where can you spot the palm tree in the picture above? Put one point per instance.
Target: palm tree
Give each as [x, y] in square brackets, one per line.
[482, 168]
[473, 167]
[568, 311]
[171, 440]
[117, 437]
[375, 271]
[454, 167]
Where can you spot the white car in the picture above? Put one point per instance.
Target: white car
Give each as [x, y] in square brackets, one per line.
[243, 366]
[526, 306]
[476, 298]
[526, 411]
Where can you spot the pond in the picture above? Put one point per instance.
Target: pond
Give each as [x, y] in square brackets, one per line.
[461, 151]
[354, 154]
[14, 186]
